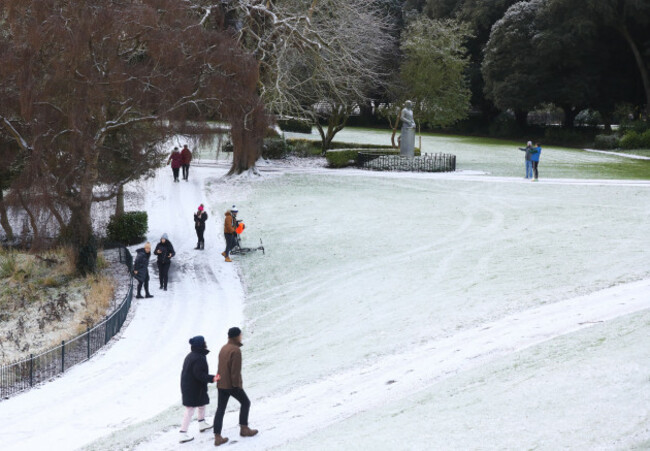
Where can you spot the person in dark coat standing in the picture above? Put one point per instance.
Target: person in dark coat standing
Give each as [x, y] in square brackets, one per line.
[164, 252]
[194, 386]
[200, 218]
[229, 383]
[176, 161]
[186, 158]
[141, 270]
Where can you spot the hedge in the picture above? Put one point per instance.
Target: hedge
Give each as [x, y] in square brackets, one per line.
[636, 140]
[606, 142]
[129, 228]
[295, 125]
[341, 158]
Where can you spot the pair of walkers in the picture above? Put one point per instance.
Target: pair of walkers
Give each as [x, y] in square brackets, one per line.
[195, 378]
[180, 159]
[164, 253]
[532, 160]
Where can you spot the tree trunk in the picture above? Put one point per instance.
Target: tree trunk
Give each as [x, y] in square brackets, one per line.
[32, 221]
[247, 132]
[4, 218]
[335, 123]
[521, 117]
[640, 62]
[570, 114]
[119, 206]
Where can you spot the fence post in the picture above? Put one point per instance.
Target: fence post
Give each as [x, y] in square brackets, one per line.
[31, 370]
[88, 340]
[63, 356]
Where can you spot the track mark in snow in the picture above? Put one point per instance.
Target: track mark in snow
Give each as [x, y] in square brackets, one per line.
[428, 364]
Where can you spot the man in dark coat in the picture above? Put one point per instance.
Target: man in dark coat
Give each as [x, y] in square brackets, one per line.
[229, 383]
[194, 386]
[200, 218]
[186, 158]
[164, 252]
[176, 161]
[141, 269]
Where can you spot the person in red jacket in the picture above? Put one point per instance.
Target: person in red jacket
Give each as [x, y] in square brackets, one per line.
[176, 160]
[186, 157]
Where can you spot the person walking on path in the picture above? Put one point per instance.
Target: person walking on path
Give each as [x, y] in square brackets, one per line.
[229, 383]
[200, 218]
[176, 161]
[141, 270]
[536, 153]
[194, 386]
[229, 231]
[164, 252]
[186, 158]
[529, 163]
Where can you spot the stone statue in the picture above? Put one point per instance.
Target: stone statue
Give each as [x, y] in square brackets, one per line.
[407, 138]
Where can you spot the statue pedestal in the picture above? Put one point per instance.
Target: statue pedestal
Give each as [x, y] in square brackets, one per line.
[407, 142]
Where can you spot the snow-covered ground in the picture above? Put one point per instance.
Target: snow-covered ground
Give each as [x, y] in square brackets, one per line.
[391, 311]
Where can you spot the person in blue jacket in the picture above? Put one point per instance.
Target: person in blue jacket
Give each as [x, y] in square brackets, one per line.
[535, 154]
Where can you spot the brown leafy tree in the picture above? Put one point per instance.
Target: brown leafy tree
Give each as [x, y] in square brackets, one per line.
[78, 74]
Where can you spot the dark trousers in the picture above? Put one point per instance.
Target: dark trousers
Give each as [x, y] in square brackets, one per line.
[175, 171]
[535, 173]
[146, 285]
[186, 171]
[230, 243]
[163, 273]
[224, 395]
[199, 235]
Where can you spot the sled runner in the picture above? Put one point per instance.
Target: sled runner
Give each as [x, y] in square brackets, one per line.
[238, 249]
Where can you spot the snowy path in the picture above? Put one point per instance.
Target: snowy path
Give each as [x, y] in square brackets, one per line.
[315, 406]
[137, 376]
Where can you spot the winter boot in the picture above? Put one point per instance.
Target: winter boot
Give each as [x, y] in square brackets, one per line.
[223, 253]
[148, 296]
[138, 296]
[198, 246]
[204, 425]
[228, 260]
[202, 245]
[247, 432]
[185, 438]
[219, 440]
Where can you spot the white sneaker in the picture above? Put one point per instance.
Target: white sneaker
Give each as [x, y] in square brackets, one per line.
[204, 425]
[185, 438]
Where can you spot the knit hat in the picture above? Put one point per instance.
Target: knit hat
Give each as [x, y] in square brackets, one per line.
[234, 332]
[234, 209]
[529, 144]
[201, 207]
[164, 237]
[198, 341]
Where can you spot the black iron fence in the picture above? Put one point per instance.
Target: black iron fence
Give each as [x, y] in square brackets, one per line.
[39, 368]
[437, 162]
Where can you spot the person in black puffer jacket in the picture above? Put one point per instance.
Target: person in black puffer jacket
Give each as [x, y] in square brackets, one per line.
[141, 269]
[194, 386]
[164, 252]
[200, 218]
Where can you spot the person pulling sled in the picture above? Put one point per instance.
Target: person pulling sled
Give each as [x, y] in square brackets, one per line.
[229, 232]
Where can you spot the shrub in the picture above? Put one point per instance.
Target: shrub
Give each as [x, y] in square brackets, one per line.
[129, 228]
[645, 140]
[631, 140]
[606, 142]
[295, 125]
[341, 158]
[274, 148]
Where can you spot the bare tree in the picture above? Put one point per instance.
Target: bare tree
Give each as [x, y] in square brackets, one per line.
[317, 59]
[77, 74]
